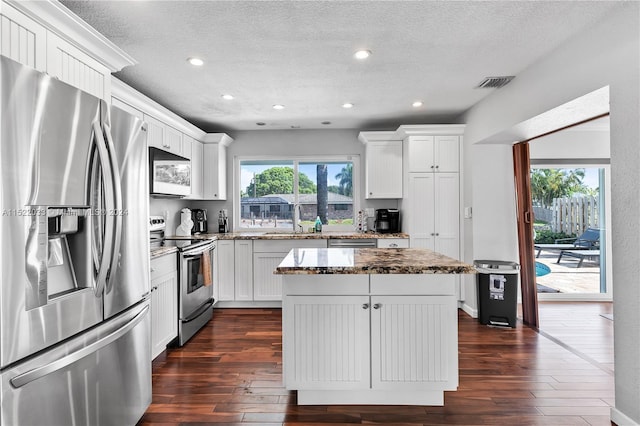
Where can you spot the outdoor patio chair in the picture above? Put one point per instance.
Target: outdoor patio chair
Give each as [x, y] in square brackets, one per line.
[581, 255]
[589, 240]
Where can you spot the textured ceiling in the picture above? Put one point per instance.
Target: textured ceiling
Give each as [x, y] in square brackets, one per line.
[300, 54]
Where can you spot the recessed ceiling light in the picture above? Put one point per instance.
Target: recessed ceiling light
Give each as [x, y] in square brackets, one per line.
[347, 105]
[227, 97]
[362, 54]
[417, 104]
[278, 106]
[196, 61]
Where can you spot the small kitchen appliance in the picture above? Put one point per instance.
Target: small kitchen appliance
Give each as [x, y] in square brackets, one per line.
[387, 221]
[223, 221]
[199, 218]
[186, 223]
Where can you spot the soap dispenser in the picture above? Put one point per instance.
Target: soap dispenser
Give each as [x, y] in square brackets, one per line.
[318, 224]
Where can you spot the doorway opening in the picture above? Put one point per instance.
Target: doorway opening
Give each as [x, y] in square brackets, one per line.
[569, 205]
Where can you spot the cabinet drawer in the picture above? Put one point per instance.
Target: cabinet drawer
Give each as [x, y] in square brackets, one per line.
[163, 265]
[413, 285]
[283, 246]
[330, 284]
[393, 243]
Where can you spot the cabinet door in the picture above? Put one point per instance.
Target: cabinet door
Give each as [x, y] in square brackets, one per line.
[155, 132]
[196, 169]
[447, 153]
[266, 284]
[243, 270]
[447, 214]
[71, 65]
[22, 39]
[393, 243]
[173, 140]
[164, 312]
[226, 269]
[421, 226]
[215, 171]
[414, 343]
[419, 154]
[326, 342]
[384, 169]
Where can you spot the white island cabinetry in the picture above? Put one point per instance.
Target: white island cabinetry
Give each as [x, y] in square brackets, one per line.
[355, 334]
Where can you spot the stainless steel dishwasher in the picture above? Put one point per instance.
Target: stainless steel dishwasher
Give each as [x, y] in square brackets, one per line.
[352, 243]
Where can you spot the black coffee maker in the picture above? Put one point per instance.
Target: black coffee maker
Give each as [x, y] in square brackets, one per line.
[387, 221]
[199, 218]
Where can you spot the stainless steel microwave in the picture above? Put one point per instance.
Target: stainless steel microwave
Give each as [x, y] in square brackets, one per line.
[169, 174]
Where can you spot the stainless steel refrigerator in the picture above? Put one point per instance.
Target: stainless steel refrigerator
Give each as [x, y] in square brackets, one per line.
[74, 295]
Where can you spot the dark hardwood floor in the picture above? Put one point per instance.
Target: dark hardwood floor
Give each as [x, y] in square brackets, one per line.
[230, 373]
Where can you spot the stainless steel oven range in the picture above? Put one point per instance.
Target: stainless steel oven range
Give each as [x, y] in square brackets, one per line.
[195, 293]
[195, 273]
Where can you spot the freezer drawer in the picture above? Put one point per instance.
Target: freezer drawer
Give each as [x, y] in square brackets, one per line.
[102, 377]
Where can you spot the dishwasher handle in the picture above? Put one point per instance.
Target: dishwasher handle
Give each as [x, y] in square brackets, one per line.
[369, 243]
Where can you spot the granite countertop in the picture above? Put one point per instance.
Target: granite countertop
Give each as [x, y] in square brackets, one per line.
[257, 235]
[370, 261]
[161, 251]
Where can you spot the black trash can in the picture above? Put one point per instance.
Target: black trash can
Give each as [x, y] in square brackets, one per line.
[497, 292]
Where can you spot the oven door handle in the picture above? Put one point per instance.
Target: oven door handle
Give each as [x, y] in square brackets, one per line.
[198, 251]
[200, 310]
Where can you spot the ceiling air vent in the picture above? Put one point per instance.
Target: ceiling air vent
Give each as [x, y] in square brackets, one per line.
[494, 82]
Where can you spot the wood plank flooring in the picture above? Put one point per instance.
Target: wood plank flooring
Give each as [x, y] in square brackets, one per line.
[230, 373]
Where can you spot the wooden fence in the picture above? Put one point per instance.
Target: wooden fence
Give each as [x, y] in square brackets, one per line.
[571, 215]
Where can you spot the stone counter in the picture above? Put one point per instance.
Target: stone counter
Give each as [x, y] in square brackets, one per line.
[370, 261]
[162, 251]
[258, 235]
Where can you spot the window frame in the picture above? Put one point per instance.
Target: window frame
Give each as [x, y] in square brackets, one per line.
[352, 158]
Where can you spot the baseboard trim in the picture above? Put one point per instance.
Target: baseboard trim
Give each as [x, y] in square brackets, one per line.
[472, 312]
[621, 419]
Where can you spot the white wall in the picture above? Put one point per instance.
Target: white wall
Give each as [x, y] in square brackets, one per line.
[572, 144]
[606, 54]
[290, 143]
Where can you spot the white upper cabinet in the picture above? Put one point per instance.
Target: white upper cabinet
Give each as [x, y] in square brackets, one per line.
[383, 165]
[44, 35]
[431, 154]
[69, 64]
[165, 137]
[22, 39]
[214, 166]
[197, 174]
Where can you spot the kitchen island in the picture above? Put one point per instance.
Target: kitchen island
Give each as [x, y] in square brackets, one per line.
[370, 326]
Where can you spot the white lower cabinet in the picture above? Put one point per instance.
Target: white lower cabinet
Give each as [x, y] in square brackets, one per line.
[225, 255]
[243, 267]
[391, 348]
[164, 302]
[393, 243]
[267, 285]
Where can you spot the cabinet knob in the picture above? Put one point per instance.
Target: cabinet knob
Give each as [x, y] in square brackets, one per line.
[437, 235]
[153, 269]
[365, 306]
[393, 245]
[371, 193]
[432, 167]
[377, 306]
[437, 167]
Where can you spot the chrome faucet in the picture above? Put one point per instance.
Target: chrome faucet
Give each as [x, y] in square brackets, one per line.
[297, 213]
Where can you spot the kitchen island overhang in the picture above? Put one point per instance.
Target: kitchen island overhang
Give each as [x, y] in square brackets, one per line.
[370, 326]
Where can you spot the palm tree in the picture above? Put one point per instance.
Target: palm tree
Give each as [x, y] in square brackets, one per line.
[346, 180]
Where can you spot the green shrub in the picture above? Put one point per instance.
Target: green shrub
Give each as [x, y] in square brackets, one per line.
[550, 237]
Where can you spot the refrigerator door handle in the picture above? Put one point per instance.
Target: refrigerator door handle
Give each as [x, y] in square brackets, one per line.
[39, 372]
[118, 211]
[107, 249]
